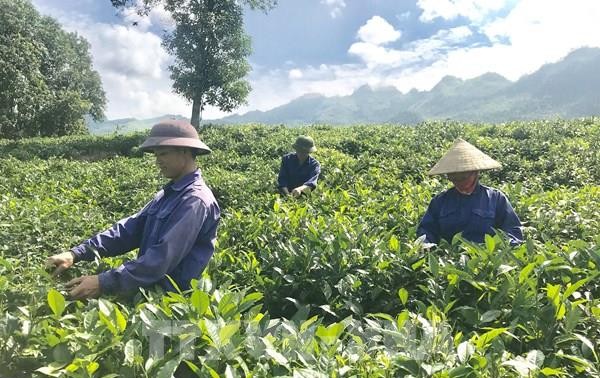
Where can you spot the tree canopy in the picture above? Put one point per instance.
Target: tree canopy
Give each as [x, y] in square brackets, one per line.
[210, 50]
[46, 75]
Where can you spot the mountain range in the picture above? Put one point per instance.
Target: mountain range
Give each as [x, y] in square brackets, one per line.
[569, 88]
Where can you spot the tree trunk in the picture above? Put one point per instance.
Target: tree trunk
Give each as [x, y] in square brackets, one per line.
[197, 113]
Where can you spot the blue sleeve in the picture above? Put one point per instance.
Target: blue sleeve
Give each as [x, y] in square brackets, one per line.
[282, 178]
[429, 225]
[313, 175]
[508, 221]
[181, 230]
[122, 237]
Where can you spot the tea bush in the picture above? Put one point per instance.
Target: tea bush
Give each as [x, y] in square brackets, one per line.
[334, 284]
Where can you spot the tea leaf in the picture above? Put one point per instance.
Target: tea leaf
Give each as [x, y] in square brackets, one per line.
[56, 301]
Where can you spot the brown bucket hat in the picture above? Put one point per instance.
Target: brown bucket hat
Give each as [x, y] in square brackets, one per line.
[174, 133]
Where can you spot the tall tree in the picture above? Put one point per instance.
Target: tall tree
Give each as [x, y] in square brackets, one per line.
[210, 50]
[48, 84]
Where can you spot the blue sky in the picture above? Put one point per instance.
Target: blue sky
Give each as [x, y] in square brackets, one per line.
[332, 47]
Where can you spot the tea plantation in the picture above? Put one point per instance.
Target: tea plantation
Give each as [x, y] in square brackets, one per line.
[334, 284]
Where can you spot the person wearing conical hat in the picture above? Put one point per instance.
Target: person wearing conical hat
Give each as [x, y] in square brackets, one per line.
[468, 207]
[299, 171]
[175, 232]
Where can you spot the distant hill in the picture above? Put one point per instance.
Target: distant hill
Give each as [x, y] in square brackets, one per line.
[126, 125]
[567, 89]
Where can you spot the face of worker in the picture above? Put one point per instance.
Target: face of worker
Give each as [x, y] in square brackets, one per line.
[302, 155]
[172, 161]
[464, 182]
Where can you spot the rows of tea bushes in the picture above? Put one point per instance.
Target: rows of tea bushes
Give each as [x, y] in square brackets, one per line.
[335, 284]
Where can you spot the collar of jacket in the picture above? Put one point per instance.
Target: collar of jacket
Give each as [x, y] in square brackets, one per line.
[184, 181]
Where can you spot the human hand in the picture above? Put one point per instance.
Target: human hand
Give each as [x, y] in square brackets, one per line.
[60, 262]
[84, 287]
[301, 189]
[424, 243]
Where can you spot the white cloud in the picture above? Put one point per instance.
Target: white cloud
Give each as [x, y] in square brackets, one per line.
[454, 35]
[126, 50]
[374, 55]
[533, 33]
[441, 41]
[132, 64]
[537, 32]
[475, 10]
[377, 31]
[335, 7]
[295, 74]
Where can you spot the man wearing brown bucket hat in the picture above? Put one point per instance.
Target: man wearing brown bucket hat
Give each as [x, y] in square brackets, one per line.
[299, 171]
[468, 207]
[175, 232]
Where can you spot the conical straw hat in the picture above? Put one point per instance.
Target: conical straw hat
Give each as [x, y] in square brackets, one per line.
[463, 157]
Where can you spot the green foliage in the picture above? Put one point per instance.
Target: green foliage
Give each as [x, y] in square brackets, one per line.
[332, 284]
[46, 76]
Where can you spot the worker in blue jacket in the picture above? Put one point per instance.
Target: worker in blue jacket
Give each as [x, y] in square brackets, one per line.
[468, 207]
[175, 233]
[299, 171]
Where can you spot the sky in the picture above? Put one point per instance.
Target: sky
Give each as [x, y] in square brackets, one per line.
[332, 47]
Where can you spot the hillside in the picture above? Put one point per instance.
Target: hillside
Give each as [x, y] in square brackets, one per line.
[566, 89]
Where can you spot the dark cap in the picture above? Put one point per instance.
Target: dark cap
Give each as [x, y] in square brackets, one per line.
[304, 144]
